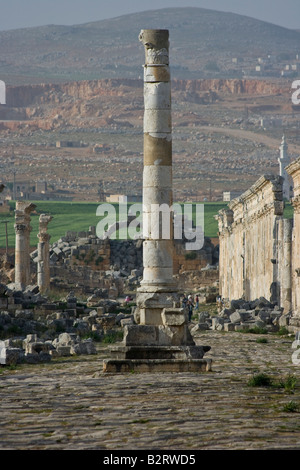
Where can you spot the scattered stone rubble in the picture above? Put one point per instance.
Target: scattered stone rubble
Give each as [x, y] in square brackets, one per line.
[241, 315]
[81, 261]
[41, 329]
[35, 350]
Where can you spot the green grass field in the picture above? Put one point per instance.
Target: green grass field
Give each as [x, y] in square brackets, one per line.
[78, 216]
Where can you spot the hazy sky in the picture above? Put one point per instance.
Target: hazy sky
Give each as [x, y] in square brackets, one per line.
[25, 13]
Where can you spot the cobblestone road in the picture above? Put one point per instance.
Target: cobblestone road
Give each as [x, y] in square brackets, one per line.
[70, 404]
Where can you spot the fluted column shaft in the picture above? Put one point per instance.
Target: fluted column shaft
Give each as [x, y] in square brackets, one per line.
[157, 173]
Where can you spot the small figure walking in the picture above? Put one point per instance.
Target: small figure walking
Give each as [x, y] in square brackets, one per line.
[184, 301]
[190, 307]
[197, 302]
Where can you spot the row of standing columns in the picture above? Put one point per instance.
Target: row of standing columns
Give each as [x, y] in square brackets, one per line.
[22, 248]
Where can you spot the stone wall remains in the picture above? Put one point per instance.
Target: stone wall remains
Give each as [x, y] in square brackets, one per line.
[255, 245]
[294, 171]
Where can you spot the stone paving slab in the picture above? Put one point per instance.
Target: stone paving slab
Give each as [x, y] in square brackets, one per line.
[70, 404]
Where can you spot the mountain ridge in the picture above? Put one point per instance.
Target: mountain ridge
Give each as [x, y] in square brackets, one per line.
[110, 48]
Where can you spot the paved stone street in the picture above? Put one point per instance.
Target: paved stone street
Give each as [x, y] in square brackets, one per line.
[70, 404]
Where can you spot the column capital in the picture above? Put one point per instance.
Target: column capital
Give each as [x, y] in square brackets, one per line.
[21, 228]
[43, 237]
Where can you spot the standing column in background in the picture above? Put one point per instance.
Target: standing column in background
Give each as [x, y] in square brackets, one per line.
[22, 249]
[43, 267]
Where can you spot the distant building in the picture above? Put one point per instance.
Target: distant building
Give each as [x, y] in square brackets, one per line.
[268, 123]
[122, 198]
[230, 195]
[41, 187]
[68, 144]
[259, 68]
[237, 60]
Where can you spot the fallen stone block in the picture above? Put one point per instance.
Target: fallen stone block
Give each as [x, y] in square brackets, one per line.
[36, 348]
[63, 351]
[66, 339]
[229, 326]
[199, 327]
[127, 321]
[218, 323]
[284, 320]
[241, 327]
[259, 324]
[36, 358]
[264, 316]
[84, 347]
[238, 316]
[203, 316]
[10, 356]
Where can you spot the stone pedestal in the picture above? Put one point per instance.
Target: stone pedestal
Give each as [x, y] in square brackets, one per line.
[161, 341]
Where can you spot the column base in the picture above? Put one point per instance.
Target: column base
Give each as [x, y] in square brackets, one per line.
[156, 365]
[163, 348]
[150, 305]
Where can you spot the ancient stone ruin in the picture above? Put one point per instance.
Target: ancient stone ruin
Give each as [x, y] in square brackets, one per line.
[161, 340]
[254, 269]
[259, 247]
[43, 273]
[22, 251]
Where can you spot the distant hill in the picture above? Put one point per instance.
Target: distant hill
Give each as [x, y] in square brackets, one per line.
[202, 41]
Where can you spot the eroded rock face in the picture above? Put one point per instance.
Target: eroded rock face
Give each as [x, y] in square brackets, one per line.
[49, 106]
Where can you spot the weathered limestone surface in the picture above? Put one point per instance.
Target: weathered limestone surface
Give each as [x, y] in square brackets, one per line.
[283, 161]
[157, 174]
[255, 245]
[294, 171]
[43, 265]
[162, 325]
[22, 251]
[71, 405]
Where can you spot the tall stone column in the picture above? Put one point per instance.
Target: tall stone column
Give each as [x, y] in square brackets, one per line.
[160, 340]
[284, 263]
[284, 161]
[43, 267]
[22, 249]
[158, 289]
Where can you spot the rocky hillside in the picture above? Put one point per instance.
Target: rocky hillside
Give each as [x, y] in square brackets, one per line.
[114, 102]
[110, 48]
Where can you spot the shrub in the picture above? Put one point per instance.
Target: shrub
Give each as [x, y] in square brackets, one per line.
[113, 337]
[191, 255]
[93, 335]
[289, 383]
[260, 380]
[291, 407]
[256, 330]
[283, 331]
